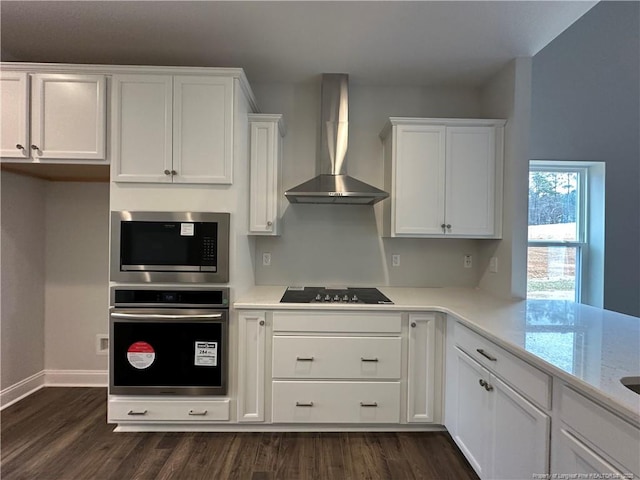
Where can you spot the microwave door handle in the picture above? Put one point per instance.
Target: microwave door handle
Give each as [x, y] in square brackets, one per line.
[159, 316]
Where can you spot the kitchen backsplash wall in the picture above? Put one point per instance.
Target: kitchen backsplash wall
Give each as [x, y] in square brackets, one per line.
[329, 244]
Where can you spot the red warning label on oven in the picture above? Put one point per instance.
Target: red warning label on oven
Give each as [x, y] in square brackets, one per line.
[141, 355]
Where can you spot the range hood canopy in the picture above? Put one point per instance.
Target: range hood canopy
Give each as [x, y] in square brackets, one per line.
[332, 184]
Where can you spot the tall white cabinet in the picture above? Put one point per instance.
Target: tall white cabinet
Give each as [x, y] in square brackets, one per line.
[267, 133]
[172, 128]
[444, 177]
[53, 117]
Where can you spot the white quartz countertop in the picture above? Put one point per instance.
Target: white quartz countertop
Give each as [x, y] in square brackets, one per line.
[588, 347]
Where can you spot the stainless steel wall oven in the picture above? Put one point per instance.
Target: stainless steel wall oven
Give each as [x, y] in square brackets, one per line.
[168, 341]
[170, 247]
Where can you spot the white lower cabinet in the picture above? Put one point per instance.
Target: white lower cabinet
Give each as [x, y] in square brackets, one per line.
[502, 433]
[336, 402]
[421, 374]
[251, 366]
[589, 439]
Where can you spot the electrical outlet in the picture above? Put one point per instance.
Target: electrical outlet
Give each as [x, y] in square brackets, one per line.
[266, 259]
[493, 265]
[395, 260]
[102, 344]
[468, 262]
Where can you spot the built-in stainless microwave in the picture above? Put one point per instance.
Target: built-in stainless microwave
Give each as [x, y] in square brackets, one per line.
[172, 247]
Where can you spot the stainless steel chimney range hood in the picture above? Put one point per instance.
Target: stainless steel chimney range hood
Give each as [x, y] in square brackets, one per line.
[332, 185]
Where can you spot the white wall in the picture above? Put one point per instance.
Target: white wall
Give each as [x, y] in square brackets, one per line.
[586, 107]
[508, 95]
[23, 278]
[77, 274]
[340, 244]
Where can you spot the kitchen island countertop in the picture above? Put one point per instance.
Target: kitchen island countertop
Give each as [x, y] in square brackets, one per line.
[587, 347]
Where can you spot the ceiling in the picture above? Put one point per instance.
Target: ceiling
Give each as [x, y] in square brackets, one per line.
[378, 43]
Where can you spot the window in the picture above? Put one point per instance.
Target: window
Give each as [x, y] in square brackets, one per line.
[565, 255]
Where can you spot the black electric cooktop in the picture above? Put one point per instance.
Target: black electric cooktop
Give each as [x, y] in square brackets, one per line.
[334, 295]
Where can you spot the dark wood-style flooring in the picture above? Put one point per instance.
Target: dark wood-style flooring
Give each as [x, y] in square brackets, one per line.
[61, 433]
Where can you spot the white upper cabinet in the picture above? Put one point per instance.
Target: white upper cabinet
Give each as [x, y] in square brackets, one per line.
[267, 132]
[172, 129]
[444, 177]
[65, 120]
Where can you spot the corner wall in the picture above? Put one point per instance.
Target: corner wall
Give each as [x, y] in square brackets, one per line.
[23, 278]
[586, 107]
[508, 96]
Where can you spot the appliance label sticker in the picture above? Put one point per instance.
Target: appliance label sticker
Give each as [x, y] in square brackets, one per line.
[186, 229]
[206, 354]
[141, 355]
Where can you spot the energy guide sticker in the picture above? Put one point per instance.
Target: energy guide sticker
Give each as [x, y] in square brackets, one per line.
[206, 354]
[141, 355]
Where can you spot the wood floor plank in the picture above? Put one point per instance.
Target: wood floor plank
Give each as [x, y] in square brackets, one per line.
[62, 434]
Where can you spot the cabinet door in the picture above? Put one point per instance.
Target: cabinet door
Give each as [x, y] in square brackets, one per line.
[421, 368]
[471, 423]
[571, 456]
[202, 129]
[251, 365]
[419, 173]
[68, 116]
[14, 119]
[520, 446]
[470, 180]
[265, 158]
[142, 128]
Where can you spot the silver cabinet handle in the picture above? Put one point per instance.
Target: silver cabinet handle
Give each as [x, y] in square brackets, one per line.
[368, 359]
[19, 147]
[304, 404]
[137, 412]
[488, 387]
[173, 172]
[482, 382]
[34, 147]
[448, 226]
[167, 172]
[261, 323]
[269, 223]
[368, 404]
[304, 359]
[413, 325]
[486, 355]
[197, 414]
[158, 316]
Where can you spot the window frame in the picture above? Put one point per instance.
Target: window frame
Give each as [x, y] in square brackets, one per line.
[582, 218]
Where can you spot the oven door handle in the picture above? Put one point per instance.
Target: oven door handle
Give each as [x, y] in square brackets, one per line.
[157, 316]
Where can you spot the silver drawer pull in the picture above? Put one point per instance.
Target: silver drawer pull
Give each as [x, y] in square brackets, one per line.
[194, 413]
[304, 359]
[368, 359]
[486, 355]
[368, 404]
[302, 404]
[137, 412]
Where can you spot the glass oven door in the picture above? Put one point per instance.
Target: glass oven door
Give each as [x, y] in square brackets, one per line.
[168, 351]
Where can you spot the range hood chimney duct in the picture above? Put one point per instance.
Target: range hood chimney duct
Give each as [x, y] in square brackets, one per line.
[332, 184]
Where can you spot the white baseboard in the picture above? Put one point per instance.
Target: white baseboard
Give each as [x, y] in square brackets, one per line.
[76, 378]
[22, 389]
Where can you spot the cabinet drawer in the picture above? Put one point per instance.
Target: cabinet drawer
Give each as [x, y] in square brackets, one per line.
[336, 402]
[530, 381]
[168, 410]
[370, 322]
[613, 436]
[336, 357]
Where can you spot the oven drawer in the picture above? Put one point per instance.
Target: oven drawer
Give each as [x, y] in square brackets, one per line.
[169, 410]
[336, 357]
[336, 402]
